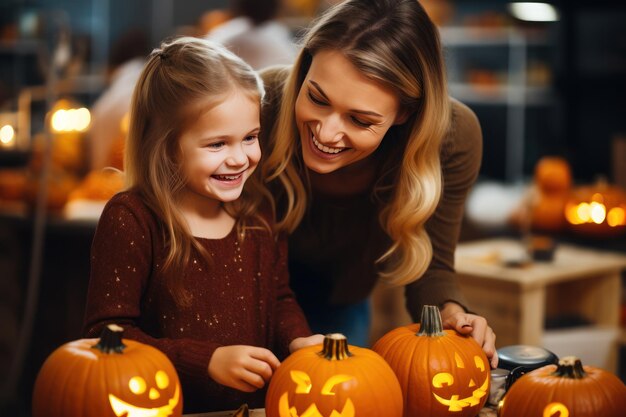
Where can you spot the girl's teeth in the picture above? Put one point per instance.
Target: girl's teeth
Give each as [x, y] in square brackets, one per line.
[227, 177]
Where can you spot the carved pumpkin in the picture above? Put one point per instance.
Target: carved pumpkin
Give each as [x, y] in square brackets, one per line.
[338, 381]
[441, 372]
[597, 210]
[109, 377]
[566, 390]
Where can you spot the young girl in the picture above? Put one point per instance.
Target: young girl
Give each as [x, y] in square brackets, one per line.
[184, 260]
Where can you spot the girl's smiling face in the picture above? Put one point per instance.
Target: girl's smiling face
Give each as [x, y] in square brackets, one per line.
[341, 115]
[220, 149]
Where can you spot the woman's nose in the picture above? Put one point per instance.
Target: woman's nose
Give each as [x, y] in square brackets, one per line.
[330, 130]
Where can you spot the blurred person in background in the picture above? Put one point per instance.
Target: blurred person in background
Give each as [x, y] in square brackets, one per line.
[126, 61]
[255, 34]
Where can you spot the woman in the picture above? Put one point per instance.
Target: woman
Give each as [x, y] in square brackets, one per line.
[371, 162]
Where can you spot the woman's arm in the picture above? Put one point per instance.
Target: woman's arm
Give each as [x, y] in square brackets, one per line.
[461, 157]
[291, 324]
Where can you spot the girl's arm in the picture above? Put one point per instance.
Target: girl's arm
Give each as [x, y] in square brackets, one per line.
[122, 261]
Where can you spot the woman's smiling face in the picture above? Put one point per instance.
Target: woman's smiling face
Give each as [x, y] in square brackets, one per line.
[342, 116]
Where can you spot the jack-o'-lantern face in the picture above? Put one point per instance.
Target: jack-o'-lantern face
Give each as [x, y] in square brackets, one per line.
[462, 393]
[163, 407]
[304, 386]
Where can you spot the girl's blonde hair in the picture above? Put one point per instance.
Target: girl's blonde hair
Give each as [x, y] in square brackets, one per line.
[178, 80]
[393, 42]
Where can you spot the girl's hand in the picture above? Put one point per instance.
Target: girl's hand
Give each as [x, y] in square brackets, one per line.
[454, 317]
[246, 368]
[301, 342]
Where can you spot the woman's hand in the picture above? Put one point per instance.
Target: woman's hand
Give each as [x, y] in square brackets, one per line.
[454, 317]
[246, 368]
[301, 342]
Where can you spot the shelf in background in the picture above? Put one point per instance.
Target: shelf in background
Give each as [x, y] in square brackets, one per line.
[502, 94]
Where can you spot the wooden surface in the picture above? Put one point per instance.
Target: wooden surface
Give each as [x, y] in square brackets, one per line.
[260, 412]
[516, 300]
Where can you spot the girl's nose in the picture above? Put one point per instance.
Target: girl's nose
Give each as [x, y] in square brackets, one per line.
[237, 156]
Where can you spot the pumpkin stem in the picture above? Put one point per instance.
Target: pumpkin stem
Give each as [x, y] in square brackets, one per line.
[111, 339]
[335, 347]
[430, 322]
[570, 367]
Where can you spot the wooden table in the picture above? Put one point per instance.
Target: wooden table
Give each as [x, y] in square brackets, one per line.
[260, 412]
[517, 299]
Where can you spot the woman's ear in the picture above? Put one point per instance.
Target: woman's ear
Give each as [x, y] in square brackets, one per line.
[402, 117]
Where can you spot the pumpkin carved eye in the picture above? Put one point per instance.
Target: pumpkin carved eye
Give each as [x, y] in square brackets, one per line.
[303, 382]
[554, 409]
[441, 379]
[334, 380]
[137, 385]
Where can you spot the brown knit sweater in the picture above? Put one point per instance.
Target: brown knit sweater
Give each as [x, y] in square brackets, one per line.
[333, 253]
[243, 298]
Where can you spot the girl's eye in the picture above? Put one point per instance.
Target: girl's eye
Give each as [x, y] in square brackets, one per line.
[360, 123]
[316, 100]
[251, 138]
[215, 145]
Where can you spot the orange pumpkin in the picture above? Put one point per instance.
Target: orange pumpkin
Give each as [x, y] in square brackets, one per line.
[441, 372]
[597, 210]
[338, 380]
[566, 390]
[553, 175]
[109, 377]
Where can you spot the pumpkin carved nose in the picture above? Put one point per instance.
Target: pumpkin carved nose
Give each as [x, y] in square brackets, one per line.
[154, 394]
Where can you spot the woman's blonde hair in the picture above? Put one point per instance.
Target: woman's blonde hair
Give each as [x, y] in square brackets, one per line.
[179, 79]
[393, 42]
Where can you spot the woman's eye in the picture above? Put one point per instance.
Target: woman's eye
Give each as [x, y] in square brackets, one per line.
[316, 100]
[360, 122]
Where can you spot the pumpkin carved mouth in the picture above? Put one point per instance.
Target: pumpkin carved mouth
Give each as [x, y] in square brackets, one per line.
[312, 411]
[457, 404]
[121, 408]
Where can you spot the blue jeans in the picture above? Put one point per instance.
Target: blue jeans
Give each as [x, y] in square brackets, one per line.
[353, 321]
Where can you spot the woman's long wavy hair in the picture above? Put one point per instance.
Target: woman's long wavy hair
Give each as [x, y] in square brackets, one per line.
[392, 42]
[180, 79]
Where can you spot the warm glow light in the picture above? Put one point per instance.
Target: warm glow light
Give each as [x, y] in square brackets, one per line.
[7, 135]
[598, 212]
[616, 217]
[534, 12]
[571, 214]
[584, 212]
[71, 120]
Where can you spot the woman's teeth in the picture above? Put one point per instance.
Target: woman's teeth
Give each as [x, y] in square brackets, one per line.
[324, 148]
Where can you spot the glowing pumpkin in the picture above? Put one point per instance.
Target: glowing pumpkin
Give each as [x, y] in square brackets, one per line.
[441, 372]
[339, 380]
[565, 390]
[597, 210]
[109, 377]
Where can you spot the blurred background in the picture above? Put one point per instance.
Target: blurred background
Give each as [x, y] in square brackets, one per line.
[547, 81]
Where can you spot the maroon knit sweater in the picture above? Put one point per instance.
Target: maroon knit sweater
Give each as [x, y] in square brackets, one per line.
[243, 298]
